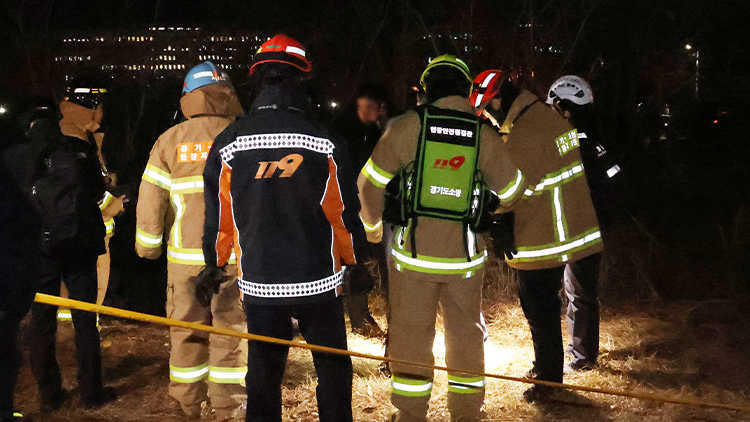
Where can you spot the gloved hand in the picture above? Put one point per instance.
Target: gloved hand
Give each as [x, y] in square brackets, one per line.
[207, 283]
[501, 234]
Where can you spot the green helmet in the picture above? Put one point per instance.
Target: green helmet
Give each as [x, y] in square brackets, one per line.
[446, 60]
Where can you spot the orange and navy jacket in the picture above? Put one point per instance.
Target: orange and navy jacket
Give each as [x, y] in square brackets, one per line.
[278, 189]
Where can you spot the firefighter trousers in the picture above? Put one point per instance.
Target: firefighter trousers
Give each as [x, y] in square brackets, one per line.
[581, 282]
[414, 300]
[203, 364]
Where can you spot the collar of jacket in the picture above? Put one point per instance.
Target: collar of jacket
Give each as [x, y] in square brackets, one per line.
[211, 100]
[524, 99]
[78, 120]
[454, 102]
[282, 97]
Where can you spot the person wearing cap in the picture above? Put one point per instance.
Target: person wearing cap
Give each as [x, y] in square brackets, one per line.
[278, 191]
[556, 225]
[74, 265]
[437, 263]
[200, 365]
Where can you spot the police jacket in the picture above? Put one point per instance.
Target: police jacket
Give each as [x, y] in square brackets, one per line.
[441, 245]
[277, 191]
[173, 178]
[557, 223]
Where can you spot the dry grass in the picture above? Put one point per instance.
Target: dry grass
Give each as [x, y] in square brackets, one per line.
[643, 350]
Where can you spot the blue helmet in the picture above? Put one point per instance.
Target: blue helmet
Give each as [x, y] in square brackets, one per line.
[204, 74]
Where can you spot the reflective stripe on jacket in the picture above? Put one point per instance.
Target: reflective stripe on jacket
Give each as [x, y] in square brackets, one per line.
[174, 178]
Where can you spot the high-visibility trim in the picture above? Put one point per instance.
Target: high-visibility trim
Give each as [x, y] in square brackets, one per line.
[308, 288]
[411, 387]
[275, 141]
[188, 375]
[512, 188]
[226, 375]
[190, 256]
[183, 185]
[157, 176]
[465, 385]
[558, 249]
[375, 174]
[147, 240]
[479, 100]
[370, 229]
[179, 204]
[557, 208]
[437, 265]
[109, 226]
[106, 200]
[64, 315]
[295, 50]
[561, 177]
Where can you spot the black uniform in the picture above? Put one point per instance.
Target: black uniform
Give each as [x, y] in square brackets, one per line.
[277, 179]
[20, 235]
[76, 267]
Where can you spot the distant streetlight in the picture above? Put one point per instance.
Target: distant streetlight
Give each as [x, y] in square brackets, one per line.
[688, 47]
[334, 104]
[3, 110]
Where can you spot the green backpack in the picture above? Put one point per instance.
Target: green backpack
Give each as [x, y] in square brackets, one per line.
[443, 181]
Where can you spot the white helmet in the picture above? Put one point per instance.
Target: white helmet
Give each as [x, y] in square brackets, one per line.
[571, 88]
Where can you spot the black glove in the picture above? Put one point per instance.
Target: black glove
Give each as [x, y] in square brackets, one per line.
[501, 234]
[207, 283]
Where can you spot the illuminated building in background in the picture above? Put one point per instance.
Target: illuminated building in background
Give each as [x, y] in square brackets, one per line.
[156, 50]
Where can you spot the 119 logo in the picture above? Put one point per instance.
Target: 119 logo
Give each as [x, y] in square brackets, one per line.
[455, 163]
[288, 165]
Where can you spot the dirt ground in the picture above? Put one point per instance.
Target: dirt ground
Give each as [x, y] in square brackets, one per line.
[683, 350]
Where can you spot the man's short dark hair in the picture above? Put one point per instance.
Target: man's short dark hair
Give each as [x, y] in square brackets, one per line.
[445, 81]
[372, 90]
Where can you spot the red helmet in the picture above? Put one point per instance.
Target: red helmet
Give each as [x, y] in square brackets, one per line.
[486, 87]
[282, 49]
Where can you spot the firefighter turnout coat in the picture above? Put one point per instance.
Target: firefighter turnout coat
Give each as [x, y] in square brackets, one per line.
[440, 244]
[174, 177]
[277, 191]
[557, 223]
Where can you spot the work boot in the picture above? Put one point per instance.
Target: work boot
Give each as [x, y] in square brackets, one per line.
[12, 416]
[50, 402]
[578, 366]
[357, 306]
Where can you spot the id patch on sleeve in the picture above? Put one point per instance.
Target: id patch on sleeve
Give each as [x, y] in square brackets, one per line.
[192, 152]
[567, 142]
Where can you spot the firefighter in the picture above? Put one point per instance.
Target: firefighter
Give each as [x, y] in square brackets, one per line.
[437, 258]
[278, 191]
[72, 262]
[200, 365]
[557, 224]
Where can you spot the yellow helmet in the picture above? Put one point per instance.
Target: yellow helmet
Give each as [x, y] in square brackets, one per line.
[446, 60]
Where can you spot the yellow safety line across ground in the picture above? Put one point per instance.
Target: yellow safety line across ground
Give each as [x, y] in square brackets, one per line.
[90, 307]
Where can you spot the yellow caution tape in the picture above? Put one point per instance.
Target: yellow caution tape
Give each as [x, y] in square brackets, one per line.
[90, 307]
